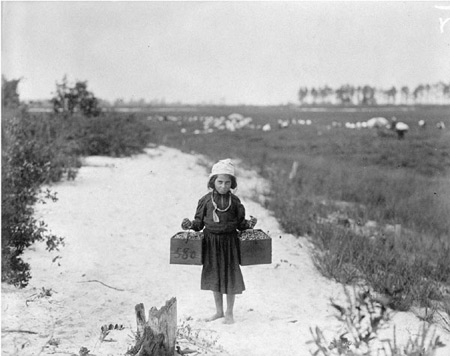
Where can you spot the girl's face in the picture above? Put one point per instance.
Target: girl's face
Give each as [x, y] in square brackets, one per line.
[222, 183]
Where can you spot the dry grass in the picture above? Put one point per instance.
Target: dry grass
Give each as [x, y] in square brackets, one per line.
[379, 178]
[362, 319]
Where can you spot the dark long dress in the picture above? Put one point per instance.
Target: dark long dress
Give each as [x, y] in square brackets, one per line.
[221, 271]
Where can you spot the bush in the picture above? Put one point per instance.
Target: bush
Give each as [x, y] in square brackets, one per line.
[76, 98]
[26, 165]
[112, 135]
[10, 97]
[39, 149]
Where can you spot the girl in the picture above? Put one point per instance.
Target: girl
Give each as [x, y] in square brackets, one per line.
[221, 213]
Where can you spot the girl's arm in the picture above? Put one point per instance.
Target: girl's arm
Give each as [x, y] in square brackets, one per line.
[198, 223]
[242, 223]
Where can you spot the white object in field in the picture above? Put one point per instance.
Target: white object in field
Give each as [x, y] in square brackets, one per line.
[377, 122]
[401, 126]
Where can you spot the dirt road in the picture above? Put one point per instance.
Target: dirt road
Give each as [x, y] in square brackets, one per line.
[117, 218]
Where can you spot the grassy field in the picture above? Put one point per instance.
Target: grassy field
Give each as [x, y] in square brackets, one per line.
[352, 165]
[426, 151]
[361, 177]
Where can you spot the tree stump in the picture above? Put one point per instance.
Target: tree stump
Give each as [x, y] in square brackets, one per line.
[157, 335]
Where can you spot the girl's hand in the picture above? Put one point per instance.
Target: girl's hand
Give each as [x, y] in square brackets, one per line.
[186, 224]
[252, 222]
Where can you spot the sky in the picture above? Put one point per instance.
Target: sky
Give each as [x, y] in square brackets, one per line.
[234, 52]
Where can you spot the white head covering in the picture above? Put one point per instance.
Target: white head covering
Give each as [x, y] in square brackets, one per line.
[224, 166]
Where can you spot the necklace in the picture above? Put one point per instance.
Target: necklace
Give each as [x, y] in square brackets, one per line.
[215, 216]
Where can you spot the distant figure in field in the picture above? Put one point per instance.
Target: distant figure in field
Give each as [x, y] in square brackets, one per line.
[401, 128]
[393, 123]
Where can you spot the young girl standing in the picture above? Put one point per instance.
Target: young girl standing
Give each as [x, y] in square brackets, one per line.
[221, 214]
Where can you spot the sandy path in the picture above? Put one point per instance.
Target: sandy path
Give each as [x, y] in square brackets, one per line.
[117, 217]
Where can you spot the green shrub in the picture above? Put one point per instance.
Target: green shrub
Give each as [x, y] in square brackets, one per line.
[70, 99]
[38, 149]
[26, 165]
[10, 96]
[362, 319]
[112, 135]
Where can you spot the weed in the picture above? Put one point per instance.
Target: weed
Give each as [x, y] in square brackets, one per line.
[204, 340]
[362, 319]
[84, 351]
[423, 344]
[54, 342]
[105, 330]
[44, 293]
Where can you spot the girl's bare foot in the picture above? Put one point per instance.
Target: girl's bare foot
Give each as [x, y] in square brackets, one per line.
[228, 319]
[215, 317]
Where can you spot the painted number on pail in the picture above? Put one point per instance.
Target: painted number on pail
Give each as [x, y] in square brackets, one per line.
[185, 253]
